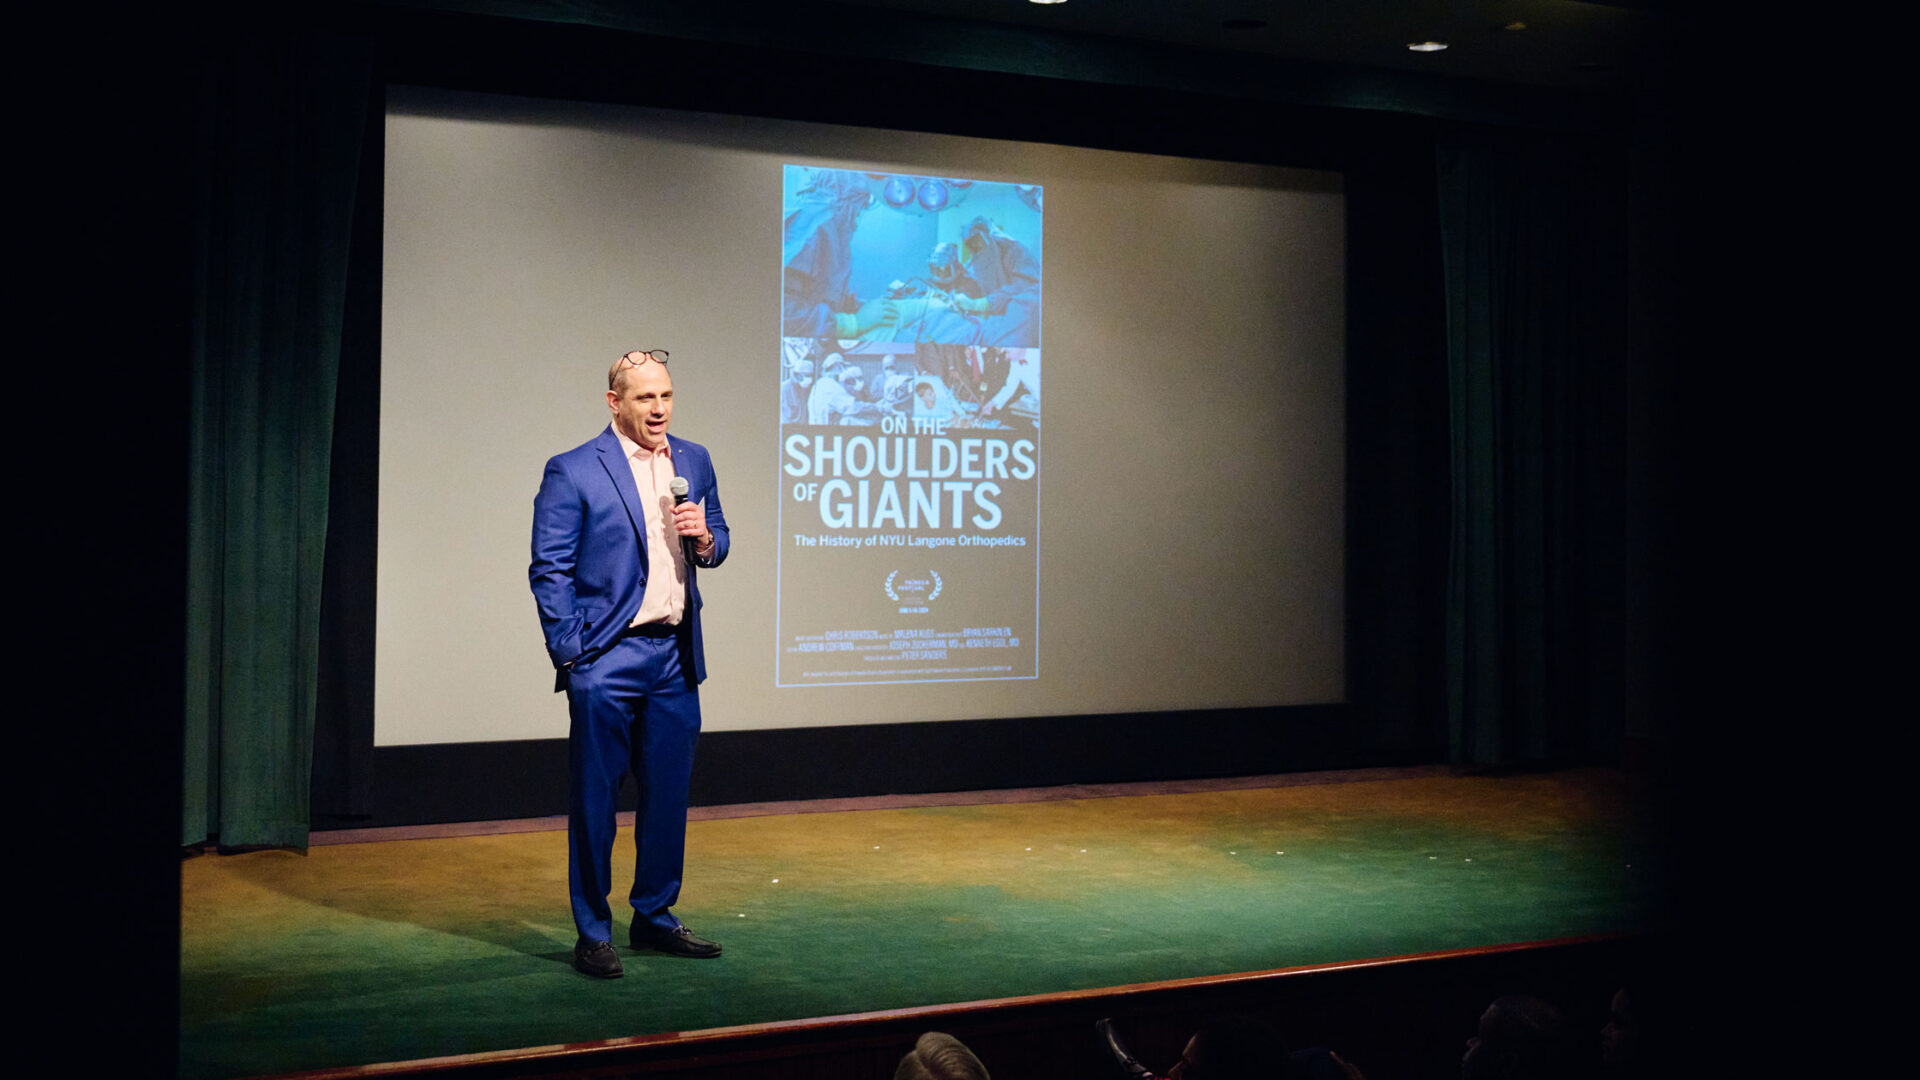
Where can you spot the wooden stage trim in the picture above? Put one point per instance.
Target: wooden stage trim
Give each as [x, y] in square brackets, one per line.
[666, 1051]
[558, 822]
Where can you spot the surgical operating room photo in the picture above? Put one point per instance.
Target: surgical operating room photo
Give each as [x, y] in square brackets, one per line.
[879, 257]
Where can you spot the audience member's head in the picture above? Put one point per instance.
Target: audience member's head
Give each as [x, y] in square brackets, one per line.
[939, 1056]
[1520, 1038]
[1633, 1042]
[1232, 1048]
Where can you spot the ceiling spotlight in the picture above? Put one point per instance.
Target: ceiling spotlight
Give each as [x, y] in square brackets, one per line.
[1426, 46]
[1244, 24]
[1046, 1]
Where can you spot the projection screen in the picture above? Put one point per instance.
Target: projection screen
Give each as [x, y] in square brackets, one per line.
[858, 321]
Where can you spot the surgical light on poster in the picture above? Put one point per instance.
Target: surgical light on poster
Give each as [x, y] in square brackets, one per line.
[909, 456]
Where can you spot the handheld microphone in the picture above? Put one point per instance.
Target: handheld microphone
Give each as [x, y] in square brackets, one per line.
[678, 485]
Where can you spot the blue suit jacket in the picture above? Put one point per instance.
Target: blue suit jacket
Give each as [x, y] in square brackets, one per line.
[589, 569]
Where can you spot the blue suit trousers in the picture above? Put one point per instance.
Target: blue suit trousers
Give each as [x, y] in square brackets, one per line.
[632, 708]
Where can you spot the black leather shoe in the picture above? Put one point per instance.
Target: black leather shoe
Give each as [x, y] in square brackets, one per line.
[679, 941]
[597, 958]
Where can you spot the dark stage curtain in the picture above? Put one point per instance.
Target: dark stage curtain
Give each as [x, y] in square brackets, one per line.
[285, 123]
[1397, 505]
[1533, 237]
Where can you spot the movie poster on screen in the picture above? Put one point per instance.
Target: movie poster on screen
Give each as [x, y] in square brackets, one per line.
[909, 455]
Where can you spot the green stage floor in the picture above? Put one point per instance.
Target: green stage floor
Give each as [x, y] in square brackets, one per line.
[361, 953]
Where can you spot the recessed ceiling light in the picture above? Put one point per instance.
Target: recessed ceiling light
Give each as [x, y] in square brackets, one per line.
[1244, 24]
[1427, 46]
[1046, 1]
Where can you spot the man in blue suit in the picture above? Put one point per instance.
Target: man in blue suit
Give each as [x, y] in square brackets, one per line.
[615, 554]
